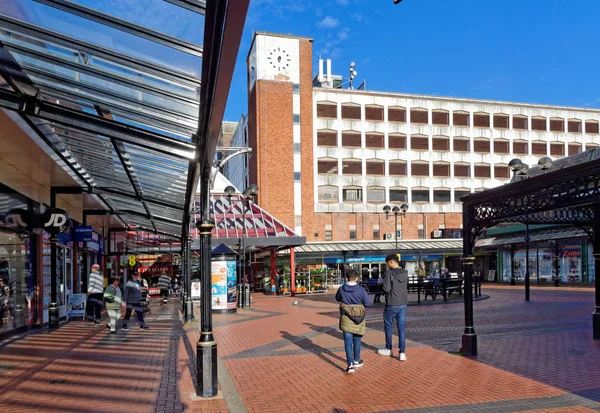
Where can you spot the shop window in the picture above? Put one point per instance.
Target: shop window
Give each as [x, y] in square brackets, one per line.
[520, 148]
[396, 114]
[574, 126]
[538, 124]
[591, 127]
[461, 145]
[440, 117]
[500, 121]
[396, 141]
[440, 143]
[352, 195]
[459, 193]
[352, 229]
[397, 168]
[441, 170]
[375, 195]
[326, 110]
[501, 172]
[539, 148]
[574, 148]
[557, 125]
[419, 169]
[398, 195]
[419, 143]
[520, 122]
[557, 149]
[328, 193]
[375, 167]
[351, 140]
[351, 167]
[481, 145]
[374, 113]
[462, 170]
[481, 120]
[327, 138]
[501, 146]
[350, 112]
[419, 116]
[327, 166]
[482, 171]
[441, 196]
[420, 195]
[374, 140]
[460, 119]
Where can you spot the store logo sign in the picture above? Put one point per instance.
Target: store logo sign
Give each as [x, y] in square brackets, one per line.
[55, 221]
[16, 218]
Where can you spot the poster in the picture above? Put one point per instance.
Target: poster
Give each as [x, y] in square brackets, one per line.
[491, 275]
[76, 306]
[224, 280]
[195, 290]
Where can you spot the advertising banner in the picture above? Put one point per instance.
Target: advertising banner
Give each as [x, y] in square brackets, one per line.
[195, 290]
[76, 305]
[224, 281]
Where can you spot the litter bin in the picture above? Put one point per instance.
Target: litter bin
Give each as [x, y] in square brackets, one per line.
[244, 295]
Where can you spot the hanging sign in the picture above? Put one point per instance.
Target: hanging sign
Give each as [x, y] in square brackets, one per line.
[83, 234]
[55, 221]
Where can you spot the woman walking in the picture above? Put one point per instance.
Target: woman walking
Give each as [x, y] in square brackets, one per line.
[112, 299]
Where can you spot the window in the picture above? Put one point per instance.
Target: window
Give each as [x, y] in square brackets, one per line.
[374, 140]
[398, 195]
[419, 116]
[439, 117]
[399, 231]
[396, 114]
[419, 143]
[460, 119]
[440, 143]
[328, 193]
[441, 170]
[574, 148]
[481, 120]
[574, 126]
[500, 121]
[501, 146]
[375, 167]
[375, 195]
[461, 145]
[419, 169]
[421, 232]
[328, 233]
[557, 149]
[420, 195]
[462, 170]
[296, 176]
[351, 167]
[538, 124]
[351, 140]
[482, 171]
[538, 148]
[396, 141]
[591, 127]
[327, 166]
[296, 119]
[557, 125]
[397, 168]
[520, 148]
[501, 172]
[459, 193]
[327, 110]
[352, 232]
[520, 122]
[376, 234]
[326, 138]
[352, 195]
[481, 145]
[441, 196]
[296, 147]
[350, 112]
[374, 113]
[296, 88]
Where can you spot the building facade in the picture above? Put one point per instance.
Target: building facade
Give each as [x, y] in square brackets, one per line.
[328, 159]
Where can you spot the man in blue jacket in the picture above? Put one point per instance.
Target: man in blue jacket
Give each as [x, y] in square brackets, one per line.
[395, 288]
[131, 301]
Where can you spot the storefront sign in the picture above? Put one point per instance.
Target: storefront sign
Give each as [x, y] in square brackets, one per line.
[55, 221]
[17, 218]
[382, 259]
[154, 290]
[83, 234]
[224, 281]
[76, 306]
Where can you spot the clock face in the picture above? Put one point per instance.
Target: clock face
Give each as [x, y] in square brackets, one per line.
[279, 60]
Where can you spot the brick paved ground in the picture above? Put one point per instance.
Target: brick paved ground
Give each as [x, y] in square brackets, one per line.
[533, 357]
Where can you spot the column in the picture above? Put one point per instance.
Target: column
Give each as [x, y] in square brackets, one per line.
[469, 338]
[596, 315]
[527, 263]
[273, 268]
[53, 309]
[292, 272]
[184, 264]
[189, 304]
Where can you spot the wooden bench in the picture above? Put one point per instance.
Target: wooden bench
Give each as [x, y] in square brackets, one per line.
[450, 286]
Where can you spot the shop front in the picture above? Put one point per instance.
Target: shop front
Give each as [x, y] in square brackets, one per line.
[64, 273]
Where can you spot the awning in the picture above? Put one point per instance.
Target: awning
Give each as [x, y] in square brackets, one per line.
[541, 236]
[453, 246]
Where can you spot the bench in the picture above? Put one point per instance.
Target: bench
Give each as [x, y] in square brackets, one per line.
[372, 288]
[430, 288]
[450, 286]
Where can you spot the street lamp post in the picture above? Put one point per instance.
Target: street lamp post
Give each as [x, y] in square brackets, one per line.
[396, 210]
[249, 195]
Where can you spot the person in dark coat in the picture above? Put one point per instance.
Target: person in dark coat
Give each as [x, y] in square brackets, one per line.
[395, 287]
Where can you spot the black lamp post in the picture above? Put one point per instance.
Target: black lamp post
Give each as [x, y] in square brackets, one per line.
[396, 210]
[527, 239]
[249, 194]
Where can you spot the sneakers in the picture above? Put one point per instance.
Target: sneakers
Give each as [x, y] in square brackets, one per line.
[402, 357]
[384, 352]
[112, 332]
[144, 327]
[357, 364]
[349, 370]
[125, 328]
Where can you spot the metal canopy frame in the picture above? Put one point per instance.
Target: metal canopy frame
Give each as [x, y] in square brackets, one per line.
[569, 193]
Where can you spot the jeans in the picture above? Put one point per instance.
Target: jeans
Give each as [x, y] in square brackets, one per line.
[114, 317]
[398, 313]
[164, 294]
[139, 312]
[352, 346]
[94, 306]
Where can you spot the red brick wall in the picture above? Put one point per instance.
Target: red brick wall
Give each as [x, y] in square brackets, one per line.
[306, 138]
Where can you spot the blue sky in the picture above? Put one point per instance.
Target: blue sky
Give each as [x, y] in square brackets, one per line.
[537, 51]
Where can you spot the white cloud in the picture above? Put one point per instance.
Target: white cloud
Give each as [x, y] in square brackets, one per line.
[358, 17]
[328, 23]
[343, 34]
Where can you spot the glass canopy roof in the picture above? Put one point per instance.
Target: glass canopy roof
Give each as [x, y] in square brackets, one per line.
[113, 89]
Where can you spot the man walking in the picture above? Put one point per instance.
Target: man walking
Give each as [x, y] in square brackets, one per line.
[164, 282]
[395, 288]
[95, 294]
[131, 299]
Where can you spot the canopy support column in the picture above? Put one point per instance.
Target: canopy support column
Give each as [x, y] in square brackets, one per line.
[469, 338]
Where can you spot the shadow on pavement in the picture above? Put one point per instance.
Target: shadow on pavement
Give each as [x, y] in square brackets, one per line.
[321, 352]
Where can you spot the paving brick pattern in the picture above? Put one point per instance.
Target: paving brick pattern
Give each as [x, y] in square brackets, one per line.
[280, 357]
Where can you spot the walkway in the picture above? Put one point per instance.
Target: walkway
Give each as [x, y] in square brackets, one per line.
[285, 357]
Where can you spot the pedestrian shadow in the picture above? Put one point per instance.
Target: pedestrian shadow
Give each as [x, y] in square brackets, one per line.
[310, 347]
[333, 332]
